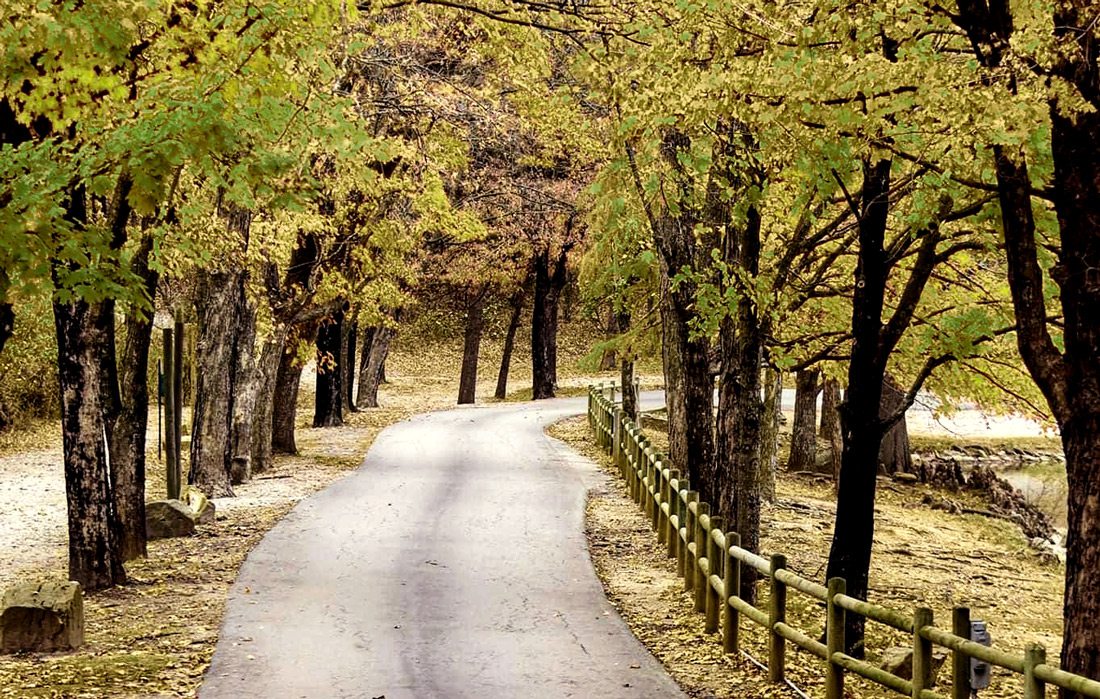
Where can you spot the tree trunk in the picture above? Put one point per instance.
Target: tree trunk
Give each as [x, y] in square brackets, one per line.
[609, 359]
[127, 444]
[219, 296]
[509, 344]
[544, 322]
[95, 528]
[830, 424]
[626, 371]
[373, 360]
[894, 455]
[246, 386]
[853, 533]
[804, 427]
[769, 433]
[329, 399]
[471, 347]
[689, 390]
[7, 323]
[351, 334]
[267, 370]
[740, 409]
[285, 399]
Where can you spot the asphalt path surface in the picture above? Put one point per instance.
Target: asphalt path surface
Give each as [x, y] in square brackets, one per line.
[453, 563]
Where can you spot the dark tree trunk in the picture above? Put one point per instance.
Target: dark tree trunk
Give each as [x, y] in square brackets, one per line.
[544, 322]
[804, 427]
[7, 323]
[219, 297]
[352, 340]
[509, 344]
[471, 347]
[853, 533]
[740, 409]
[95, 528]
[894, 455]
[127, 447]
[769, 433]
[329, 399]
[267, 369]
[626, 371]
[689, 392]
[372, 363]
[285, 399]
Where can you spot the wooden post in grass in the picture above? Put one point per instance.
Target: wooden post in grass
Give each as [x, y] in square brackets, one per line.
[732, 577]
[777, 613]
[714, 567]
[702, 509]
[960, 662]
[922, 652]
[834, 639]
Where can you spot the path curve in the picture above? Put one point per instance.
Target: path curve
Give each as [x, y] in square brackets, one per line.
[453, 563]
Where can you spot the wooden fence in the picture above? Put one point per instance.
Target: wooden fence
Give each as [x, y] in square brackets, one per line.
[710, 562]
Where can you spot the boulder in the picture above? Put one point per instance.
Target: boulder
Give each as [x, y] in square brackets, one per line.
[42, 617]
[899, 661]
[200, 505]
[165, 519]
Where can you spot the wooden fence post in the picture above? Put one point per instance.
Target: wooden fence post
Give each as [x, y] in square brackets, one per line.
[777, 612]
[732, 578]
[664, 499]
[1034, 688]
[834, 639]
[617, 438]
[658, 489]
[682, 532]
[689, 539]
[922, 652]
[960, 662]
[673, 501]
[700, 585]
[714, 567]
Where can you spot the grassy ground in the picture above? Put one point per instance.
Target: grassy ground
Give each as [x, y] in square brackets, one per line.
[922, 557]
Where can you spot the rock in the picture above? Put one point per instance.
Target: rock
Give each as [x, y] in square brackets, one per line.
[165, 519]
[899, 661]
[906, 477]
[42, 617]
[200, 505]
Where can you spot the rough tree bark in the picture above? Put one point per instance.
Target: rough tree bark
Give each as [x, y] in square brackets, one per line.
[609, 359]
[626, 371]
[351, 335]
[804, 426]
[246, 380]
[740, 409]
[376, 348]
[329, 399]
[549, 282]
[127, 434]
[516, 305]
[219, 296]
[263, 417]
[95, 527]
[769, 433]
[471, 345]
[830, 424]
[285, 400]
[894, 455]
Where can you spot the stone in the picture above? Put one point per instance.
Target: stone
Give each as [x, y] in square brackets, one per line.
[165, 519]
[42, 617]
[899, 661]
[904, 477]
[203, 509]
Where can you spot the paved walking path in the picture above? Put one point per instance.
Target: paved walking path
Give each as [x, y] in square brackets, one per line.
[453, 563]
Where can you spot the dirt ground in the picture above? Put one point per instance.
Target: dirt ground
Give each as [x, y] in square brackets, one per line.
[922, 557]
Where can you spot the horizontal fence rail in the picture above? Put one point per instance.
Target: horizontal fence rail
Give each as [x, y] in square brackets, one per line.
[710, 561]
